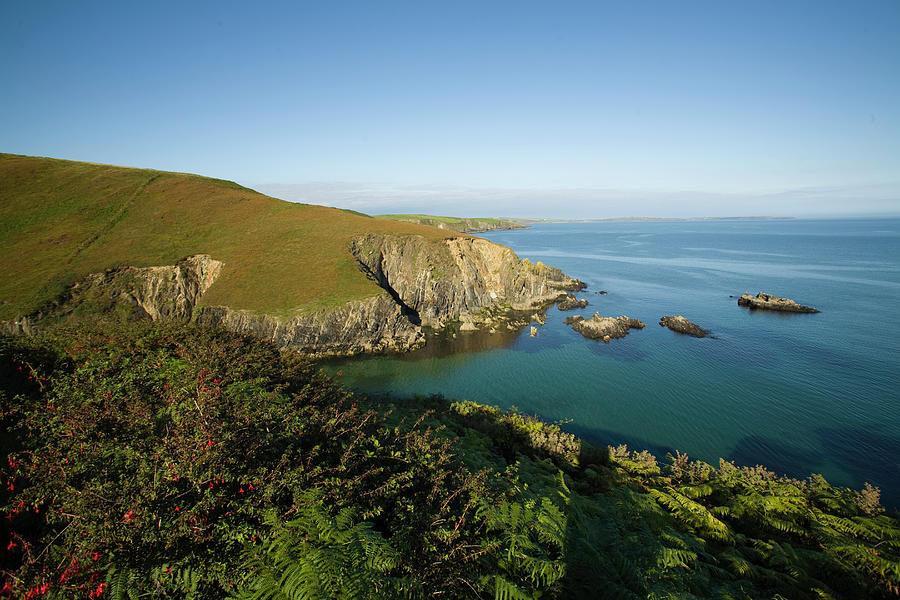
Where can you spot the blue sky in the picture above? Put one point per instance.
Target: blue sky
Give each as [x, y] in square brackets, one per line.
[553, 109]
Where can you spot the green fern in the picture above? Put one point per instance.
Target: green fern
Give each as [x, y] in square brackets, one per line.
[531, 540]
[122, 583]
[316, 556]
[690, 513]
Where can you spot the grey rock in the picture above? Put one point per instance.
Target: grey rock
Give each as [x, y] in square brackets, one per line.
[679, 324]
[603, 328]
[764, 301]
[165, 292]
[570, 302]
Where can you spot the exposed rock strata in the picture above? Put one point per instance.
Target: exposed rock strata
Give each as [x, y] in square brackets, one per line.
[372, 325]
[439, 282]
[764, 301]
[570, 302]
[469, 281]
[603, 328]
[679, 324]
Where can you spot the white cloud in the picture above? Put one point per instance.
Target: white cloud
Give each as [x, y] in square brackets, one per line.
[585, 203]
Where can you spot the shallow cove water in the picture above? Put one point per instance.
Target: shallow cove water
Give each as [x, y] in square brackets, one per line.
[799, 393]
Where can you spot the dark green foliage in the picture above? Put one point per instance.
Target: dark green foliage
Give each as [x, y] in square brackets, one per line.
[316, 556]
[164, 452]
[181, 462]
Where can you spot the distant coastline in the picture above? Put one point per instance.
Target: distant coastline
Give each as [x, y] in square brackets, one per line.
[646, 219]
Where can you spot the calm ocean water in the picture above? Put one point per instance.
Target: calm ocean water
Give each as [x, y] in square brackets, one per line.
[798, 393]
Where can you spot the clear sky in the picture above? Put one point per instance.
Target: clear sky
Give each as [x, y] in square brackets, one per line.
[595, 109]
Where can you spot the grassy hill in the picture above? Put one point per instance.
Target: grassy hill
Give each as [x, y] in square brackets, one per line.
[60, 220]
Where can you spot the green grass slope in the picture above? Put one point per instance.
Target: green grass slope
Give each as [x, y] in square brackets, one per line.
[60, 220]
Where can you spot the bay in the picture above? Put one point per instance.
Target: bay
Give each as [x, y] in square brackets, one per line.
[797, 393]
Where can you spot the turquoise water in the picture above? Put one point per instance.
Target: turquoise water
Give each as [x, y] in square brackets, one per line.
[797, 393]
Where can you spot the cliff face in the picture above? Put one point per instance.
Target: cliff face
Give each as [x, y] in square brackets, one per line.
[457, 278]
[424, 283]
[373, 325]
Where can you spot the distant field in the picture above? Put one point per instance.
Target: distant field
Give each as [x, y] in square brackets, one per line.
[60, 220]
[455, 223]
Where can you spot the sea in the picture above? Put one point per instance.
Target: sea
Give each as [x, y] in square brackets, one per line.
[797, 393]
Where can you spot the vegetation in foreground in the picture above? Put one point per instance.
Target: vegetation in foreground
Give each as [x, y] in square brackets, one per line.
[144, 460]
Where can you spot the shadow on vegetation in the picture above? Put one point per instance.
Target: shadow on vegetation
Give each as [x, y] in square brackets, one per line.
[606, 437]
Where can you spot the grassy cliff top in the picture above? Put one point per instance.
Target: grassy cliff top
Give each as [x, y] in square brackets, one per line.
[455, 223]
[60, 220]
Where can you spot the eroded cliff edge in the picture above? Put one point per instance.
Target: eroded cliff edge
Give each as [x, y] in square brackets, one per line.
[424, 283]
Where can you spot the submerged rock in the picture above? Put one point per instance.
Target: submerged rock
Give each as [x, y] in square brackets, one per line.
[764, 301]
[603, 328]
[570, 302]
[679, 324]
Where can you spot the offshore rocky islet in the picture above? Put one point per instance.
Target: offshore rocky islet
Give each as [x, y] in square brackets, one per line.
[764, 301]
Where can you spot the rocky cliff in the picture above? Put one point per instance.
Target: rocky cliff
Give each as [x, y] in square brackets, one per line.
[424, 283]
[458, 278]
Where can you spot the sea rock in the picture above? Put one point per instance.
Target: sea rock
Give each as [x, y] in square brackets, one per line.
[603, 328]
[570, 302]
[764, 301]
[679, 324]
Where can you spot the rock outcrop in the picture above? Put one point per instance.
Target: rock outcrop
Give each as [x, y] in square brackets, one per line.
[464, 280]
[764, 301]
[570, 302]
[165, 292]
[458, 278]
[368, 326]
[679, 324]
[603, 328]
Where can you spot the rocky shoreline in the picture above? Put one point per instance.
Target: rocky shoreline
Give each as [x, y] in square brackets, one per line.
[464, 281]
